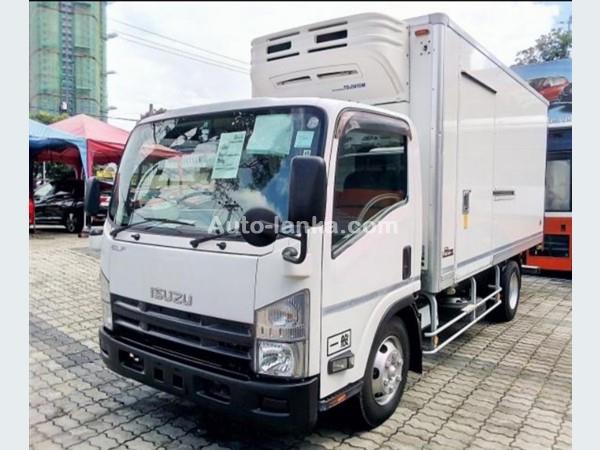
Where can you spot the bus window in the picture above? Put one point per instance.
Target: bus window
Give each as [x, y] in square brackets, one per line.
[558, 185]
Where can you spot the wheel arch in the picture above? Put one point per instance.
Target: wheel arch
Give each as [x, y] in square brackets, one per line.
[406, 310]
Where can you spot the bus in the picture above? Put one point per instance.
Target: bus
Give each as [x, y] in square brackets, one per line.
[555, 253]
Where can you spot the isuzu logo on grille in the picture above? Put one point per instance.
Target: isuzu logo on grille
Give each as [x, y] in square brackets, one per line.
[165, 295]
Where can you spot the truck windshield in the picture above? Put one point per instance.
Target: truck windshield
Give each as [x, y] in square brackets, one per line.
[207, 170]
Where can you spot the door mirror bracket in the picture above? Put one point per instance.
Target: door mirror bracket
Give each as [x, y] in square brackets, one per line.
[290, 254]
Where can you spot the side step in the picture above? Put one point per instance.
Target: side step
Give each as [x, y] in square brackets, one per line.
[470, 309]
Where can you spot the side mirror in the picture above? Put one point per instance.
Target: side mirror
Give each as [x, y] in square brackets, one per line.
[259, 226]
[306, 207]
[92, 196]
[308, 188]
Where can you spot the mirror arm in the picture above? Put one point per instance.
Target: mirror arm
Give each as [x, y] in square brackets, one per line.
[290, 254]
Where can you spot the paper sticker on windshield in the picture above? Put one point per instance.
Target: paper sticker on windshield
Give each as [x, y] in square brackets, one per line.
[272, 135]
[206, 153]
[313, 122]
[229, 152]
[304, 139]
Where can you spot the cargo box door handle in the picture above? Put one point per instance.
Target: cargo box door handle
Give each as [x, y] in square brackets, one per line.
[466, 207]
[406, 262]
[466, 201]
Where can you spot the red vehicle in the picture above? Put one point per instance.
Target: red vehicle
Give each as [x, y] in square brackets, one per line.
[31, 211]
[550, 87]
[555, 253]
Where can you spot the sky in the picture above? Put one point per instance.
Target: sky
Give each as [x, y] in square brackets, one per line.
[146, 75]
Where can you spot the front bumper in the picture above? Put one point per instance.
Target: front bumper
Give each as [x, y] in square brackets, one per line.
[287, 406]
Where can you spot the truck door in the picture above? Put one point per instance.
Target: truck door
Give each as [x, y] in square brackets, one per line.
[369, 258]
[474, 174]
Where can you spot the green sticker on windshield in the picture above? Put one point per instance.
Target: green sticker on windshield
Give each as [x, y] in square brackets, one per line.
[304, 139]
[229, 152]
[272, 135]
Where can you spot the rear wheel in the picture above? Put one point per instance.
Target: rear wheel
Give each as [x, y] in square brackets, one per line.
[73, 222]
[510, 281]
[385, 377]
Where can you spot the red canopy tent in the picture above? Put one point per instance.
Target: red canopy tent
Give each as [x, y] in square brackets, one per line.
[105, 143]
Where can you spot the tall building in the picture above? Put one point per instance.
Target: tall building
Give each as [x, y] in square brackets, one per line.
[67, 57]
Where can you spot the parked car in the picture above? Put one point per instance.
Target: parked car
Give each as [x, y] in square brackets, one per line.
[61, 203]
[567, 94]
[549, 87]
[31, 211]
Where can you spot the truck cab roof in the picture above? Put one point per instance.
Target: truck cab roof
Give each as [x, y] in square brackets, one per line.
[331, 106]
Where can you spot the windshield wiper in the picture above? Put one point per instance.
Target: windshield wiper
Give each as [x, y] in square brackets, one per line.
[117, 230]
[195, 242]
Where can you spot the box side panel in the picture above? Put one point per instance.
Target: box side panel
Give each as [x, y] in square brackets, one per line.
[500, 163]
[519, 168]
[476, 122]
[424, 87]
[452, 46]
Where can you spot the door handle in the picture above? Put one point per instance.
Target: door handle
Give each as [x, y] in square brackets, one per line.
[406, 262]
[466, 201]
[466, 207]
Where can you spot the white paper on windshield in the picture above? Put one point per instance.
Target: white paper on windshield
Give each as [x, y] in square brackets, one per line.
[206, 153]
[229, 152]
[304, 139]
[272, 135]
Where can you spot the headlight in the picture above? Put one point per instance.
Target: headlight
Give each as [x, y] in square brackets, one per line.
[281, 359]
[282, 337]
[106, 306]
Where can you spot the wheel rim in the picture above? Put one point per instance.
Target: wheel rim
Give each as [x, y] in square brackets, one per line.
[70, 223]
[513, 294]
[387, 370]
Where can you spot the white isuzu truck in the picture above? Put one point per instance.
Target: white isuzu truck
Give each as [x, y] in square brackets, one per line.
[275, 257]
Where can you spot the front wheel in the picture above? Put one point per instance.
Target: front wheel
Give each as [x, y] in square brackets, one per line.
[385, 377]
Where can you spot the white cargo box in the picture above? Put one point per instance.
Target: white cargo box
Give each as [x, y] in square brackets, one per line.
[481, 128]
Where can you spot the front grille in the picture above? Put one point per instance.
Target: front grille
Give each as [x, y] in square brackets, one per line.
[205, 342]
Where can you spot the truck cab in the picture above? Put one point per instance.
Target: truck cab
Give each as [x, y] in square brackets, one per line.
[192, 308]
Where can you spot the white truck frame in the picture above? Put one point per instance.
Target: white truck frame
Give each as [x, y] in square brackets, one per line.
[475, 136]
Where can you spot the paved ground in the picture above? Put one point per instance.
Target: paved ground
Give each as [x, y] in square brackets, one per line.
[500, 386]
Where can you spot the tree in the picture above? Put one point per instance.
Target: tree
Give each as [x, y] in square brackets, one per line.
[47, 117]
[548, 47]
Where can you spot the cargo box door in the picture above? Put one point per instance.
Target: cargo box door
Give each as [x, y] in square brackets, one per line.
[474, 175]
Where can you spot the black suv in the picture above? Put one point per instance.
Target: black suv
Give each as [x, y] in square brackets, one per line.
[61, 203]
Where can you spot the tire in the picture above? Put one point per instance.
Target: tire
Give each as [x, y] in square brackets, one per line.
[370, 407]
[73, 223]
[510, 281]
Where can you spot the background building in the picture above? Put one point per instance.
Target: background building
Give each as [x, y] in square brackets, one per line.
[67, 57]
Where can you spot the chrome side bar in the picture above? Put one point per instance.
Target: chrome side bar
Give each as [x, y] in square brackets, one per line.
[462, 330]
[470, 309]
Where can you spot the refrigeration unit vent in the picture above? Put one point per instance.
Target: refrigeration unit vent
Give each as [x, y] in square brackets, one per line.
[360, 58]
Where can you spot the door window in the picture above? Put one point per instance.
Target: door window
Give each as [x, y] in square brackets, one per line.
[371, 172]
